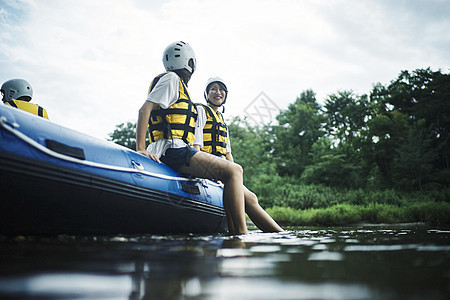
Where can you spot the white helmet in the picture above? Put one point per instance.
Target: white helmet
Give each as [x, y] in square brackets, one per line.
[177, 56]
[211, 81]
[15, 89]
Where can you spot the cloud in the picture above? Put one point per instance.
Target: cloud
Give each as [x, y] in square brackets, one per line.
[90, 62]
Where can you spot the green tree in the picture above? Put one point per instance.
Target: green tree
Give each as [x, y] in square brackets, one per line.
[346, 116]
[251, 148]
[424, 94]
[331, 166]
[125, 135]
[385, 134]
[346, 121]
[414, 164]
[408, 135]
[300, 126]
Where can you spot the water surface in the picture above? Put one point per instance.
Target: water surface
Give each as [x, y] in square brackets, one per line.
[377, 262]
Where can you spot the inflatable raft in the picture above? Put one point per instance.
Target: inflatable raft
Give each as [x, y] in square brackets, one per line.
[54, 180]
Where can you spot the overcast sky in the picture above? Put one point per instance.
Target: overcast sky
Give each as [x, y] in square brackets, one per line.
[90, 61]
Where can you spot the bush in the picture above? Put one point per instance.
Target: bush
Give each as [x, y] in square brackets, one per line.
[278, 192]
[344, 214]
[436, 213]
[338, 215]
[282, 191]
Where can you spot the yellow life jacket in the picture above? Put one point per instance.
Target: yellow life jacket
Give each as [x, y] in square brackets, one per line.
[29, 107]
[175, 122]
[214, 132]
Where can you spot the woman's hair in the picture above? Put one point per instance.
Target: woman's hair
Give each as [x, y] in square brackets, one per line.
[184, 74]
[222, 86]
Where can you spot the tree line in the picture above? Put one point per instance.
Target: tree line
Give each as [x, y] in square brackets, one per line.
[379, 145]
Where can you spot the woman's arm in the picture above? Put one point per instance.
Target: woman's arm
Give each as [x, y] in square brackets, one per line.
[229, 156]
[141, 129]
[199, 125]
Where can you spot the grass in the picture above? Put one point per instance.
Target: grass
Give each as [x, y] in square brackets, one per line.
[300, 196]
[435, 213]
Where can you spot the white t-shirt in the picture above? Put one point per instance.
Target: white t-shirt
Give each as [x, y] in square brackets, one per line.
[200, 124]
[165, 93]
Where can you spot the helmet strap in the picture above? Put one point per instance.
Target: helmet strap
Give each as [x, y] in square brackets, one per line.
[215, 105]
[212, 104]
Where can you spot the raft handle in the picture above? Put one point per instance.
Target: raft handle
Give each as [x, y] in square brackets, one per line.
[191, 189]
[137, 165]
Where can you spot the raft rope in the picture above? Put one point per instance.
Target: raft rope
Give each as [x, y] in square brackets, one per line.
[11, 127]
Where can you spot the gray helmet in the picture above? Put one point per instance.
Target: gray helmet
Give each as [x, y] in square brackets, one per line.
[208, 84]
[177, 56]
[17, 89]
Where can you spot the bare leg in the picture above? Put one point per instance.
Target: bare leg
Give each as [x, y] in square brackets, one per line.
[258, 215]
[205, 165]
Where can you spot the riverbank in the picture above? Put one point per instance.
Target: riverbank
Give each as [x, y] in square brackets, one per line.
[435, 213]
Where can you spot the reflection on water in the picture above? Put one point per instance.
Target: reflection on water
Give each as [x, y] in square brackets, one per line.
[57, 285]
[332, 263]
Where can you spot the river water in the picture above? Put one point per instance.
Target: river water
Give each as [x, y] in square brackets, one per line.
[366, 262]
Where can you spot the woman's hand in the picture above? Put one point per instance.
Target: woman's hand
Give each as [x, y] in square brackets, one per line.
[150, 155]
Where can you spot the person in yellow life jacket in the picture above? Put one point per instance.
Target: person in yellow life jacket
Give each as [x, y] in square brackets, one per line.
[18, 93]
[212, 136]
[170, 115]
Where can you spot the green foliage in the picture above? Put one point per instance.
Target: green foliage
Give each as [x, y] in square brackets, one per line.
[385, 135]
[125, 135]
[433, 213]
[347, 214]
[413, 164]
[279, 191]
[298, 196]
[282, 193]
[332, 170]
[300, 126]
[346, 115]
[412, 121]
[251, 147]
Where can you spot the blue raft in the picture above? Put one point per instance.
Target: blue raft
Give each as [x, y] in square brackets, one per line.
[54, 180]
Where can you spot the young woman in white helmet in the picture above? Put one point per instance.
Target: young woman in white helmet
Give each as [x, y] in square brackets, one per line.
[212, 136]
[170, 115]
[18, 93]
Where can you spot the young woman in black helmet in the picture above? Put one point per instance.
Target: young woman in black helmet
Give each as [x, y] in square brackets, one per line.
[212, 136]
[170, 115]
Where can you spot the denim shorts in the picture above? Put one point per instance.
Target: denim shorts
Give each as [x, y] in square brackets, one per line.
[178, 157]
